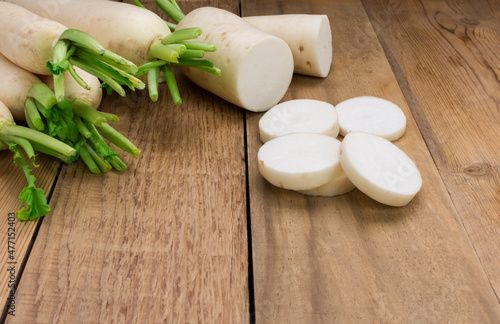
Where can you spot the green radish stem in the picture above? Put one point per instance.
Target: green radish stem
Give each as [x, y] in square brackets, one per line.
[118, 164]
[37, 137]
[181, 35]
[75, 47]
[34, 115]
[86, 111]
[171, 9]
[153, 79]
[22, 142]
[194, 45]
[172, 84]
[82, 129]
[88, 160]
[103, 165]
[118, 139]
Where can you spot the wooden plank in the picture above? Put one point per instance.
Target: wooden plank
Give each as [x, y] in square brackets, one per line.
[348, 259]
[163, 242]
[12, 181]
[454, 87]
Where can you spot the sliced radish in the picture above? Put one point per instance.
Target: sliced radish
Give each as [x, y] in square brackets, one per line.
[300, 161]
[299, 116]
[371, 115]
[338, 185]
[379, 168]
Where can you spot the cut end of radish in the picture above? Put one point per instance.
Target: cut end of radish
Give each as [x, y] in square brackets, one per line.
[299, 116]
[379, 168]
[299, 161]
[371, 115]
[264, 74]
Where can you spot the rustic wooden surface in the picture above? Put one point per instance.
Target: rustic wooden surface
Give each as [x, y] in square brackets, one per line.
[166, 241]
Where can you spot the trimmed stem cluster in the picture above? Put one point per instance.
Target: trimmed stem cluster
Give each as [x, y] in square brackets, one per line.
[80, 126]
[178, 48]
[76, 48]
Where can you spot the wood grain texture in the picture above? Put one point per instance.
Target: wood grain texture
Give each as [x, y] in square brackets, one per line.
[446, 54]
[163, 242]
[349, 259]
[12, 181]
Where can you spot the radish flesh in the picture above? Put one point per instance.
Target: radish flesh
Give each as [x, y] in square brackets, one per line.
[372, 115]
[308, 36]
[379, 168]
[300, 161]
[338, 185]
[299, 116]
[255, 68]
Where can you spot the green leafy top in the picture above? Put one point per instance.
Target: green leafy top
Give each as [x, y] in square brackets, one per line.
[34, 198]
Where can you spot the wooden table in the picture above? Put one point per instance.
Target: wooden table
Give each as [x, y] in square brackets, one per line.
[191, 233]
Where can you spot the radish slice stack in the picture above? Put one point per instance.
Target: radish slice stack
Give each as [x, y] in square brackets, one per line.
[301, 153]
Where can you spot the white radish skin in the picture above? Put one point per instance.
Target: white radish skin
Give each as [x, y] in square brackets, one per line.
[74, 91]
[26, 38]
[299, 116]
[125, 29]
[299, 161]
[309, 38]
[5, 116]
[371, 115]
[338, 185]
[256, 68]
[15, 83]
[379, 168]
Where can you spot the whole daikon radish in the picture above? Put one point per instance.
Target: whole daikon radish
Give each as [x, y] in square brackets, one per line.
[309, 38]
[379, 168]
[135, 33]
[256, 68]
[44, 46]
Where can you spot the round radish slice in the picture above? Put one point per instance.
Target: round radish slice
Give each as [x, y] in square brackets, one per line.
[371, 115]
[338, 185]
[300, 161]
[379, 168]
[299, 116]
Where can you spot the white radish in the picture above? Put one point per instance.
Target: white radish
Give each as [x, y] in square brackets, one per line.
[15, 85]
[300, 161]
[75, 91]
[111, 23]
[299, 116]
[44, 46]
[256, 68]
[135, 33]
[23, 30]
[371, 115]
[309, 38]
[338, 185]
[5, 116]
[379, 168]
